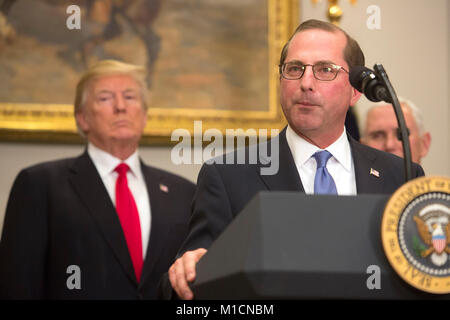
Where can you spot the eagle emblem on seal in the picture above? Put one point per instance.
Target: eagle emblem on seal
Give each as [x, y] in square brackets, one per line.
[434, 229]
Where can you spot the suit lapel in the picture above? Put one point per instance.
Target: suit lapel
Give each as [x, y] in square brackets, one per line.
[367, 175]
[159, 204]
[90, 188]
[287, 178]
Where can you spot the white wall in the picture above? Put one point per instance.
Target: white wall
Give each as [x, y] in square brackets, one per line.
[413, 46]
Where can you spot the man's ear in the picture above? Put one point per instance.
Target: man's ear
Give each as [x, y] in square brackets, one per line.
[145, 117]
[82, 122]
[355, 96]
[426, 142]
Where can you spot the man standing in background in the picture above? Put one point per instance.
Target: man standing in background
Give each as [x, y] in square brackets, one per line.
[103, 225]
[380, 130]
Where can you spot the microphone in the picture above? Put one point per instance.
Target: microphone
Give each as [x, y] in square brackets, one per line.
[366, 81]
[377, 87]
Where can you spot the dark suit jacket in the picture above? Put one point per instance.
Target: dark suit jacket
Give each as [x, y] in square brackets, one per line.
[59, 214]
[223, 190]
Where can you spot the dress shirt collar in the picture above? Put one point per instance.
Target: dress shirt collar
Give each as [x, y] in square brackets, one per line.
[302, 150]
[106, 163]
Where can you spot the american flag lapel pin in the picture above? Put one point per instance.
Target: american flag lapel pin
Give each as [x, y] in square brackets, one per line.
[374, 172]
[163, 188]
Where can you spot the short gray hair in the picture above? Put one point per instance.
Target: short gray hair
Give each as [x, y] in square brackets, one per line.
[415, 111]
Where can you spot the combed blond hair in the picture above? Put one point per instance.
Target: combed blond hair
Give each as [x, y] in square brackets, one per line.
[109, 68]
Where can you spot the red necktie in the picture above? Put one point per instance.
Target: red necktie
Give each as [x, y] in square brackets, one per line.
[129, 218]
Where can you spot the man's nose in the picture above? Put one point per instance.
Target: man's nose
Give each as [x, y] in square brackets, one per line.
[119, 104]
[392, 144]
[307, 81]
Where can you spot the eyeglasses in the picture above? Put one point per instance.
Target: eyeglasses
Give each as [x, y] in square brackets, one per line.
[322, 71]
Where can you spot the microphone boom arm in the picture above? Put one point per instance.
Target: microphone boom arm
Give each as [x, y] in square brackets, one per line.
[404, 134]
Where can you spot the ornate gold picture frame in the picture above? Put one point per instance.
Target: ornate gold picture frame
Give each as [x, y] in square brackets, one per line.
[251, 72]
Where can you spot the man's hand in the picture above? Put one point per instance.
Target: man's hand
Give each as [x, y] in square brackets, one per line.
[182, 271]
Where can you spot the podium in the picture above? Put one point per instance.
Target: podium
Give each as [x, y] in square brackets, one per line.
[287, 245]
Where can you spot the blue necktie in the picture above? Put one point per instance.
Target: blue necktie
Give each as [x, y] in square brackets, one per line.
[323, 181]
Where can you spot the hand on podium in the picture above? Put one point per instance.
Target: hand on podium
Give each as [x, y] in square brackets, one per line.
[182, 272]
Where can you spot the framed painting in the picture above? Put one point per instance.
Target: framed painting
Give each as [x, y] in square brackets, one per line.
[214, 61]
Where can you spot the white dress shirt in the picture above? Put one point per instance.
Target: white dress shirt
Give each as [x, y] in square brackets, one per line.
[105, 164]
[340, 165]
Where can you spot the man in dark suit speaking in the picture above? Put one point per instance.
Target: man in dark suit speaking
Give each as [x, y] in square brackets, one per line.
[316, 155]
[103, 225]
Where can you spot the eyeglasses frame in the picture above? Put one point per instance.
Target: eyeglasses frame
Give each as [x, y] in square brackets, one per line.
[283, 66]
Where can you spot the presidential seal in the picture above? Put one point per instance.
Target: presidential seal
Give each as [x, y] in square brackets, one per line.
[415, 231]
